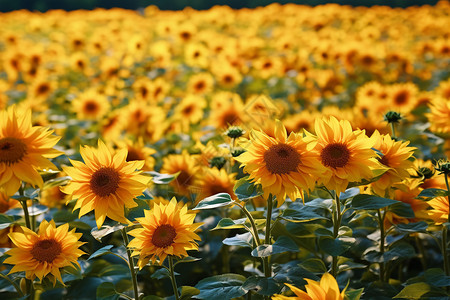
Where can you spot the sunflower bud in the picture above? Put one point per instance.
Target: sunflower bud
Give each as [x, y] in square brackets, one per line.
[217, 162]
[425, 172]
[237, 152]
[443, 167]
[392, 117]
[235, 132]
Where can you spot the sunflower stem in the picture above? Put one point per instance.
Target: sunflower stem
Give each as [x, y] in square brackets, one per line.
[254, 231]
[267, 267]
[422, 255]
[393, 129]
[173, 279]
[381, 217]
[130, 263]
[336, 225]
[445, 234]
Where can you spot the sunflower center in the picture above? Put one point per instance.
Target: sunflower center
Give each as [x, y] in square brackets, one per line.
[184, 178]
[281, 159]
[401, 98]
[91, 106]
[335, 155]
[46, 250]
[384, 160]
[12, 150]
[104, 181]
[164, 236]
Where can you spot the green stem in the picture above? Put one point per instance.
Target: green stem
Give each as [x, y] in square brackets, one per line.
[27, 215]
[130, 263]
[382, 240]
[254, 231]
[445, 234]
[421, 249]
[29, 283]
[336, 225]
[266, 262]
[172, 278]
[393, 129]
[448, 197]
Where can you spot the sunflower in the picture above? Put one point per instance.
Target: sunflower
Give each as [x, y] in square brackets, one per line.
[105, 183]
[213, 181]
[397, 157]
[346, 154]
[139, 151]
[326, 289]
[7, 203]
[91, 105]
[190, 110]
[167, 230]
[23, 149]
[439, 115]
[187, 165]
[282, 165]
[403, 97]
[46, 252]
[226, 109]
[200, 83]
[440, 210]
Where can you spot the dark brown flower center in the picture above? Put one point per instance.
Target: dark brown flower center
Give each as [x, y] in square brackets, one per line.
[200, 85]
[164, 236]
[335, 155]
[281, 159]
[104, 181]
[12, 150]
[401, 98]
[46, 250]
[188, 110]
[42, 89]
[384, 160]
[91, 106]
[184, 178]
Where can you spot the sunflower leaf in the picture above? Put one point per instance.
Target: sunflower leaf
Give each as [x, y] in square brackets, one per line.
[432, 193]
[262, 285]
[246, 190]
[336, 247]
[301, 213]
[159, 178]
[364, 201]
[414, 291]
[214, 201]
[5, 221]
[225, 286]
[101, 251]
[412, 227]
[187, 259]
[243, 240]
[162, 273]
[281, 245]
[187, 292]
[105, 230]
[56, 182]
[107, 291]
[402, 209]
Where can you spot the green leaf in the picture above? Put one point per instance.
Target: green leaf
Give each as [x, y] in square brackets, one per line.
[115, 269]
[162, 273]
[64, 216]
[282, 244]
[314, 265]
[349, 193]
[227, 223]
[159, 178]
[243, 240]
[402, 209]
[246, 190]
[354, 294]
[214, 201]
[105, 230]
[336, 247]
[262, 285]
[187, 292]
[187, 259]
[436, 277]
[301, 214]
[138, 211]
[364, 201]
[412, 227]
[107, 291]
[346, 264]
[33, 210]
[5, 221]
[152, 297]
[101, 251]
[399, 251]
[432, 193]
[226, 286]
[56, 182]
[414, 291]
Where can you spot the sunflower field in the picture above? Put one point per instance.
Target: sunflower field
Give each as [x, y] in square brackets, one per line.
[282, 152]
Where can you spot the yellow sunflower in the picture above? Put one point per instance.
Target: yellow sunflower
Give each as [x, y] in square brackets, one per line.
[439, 115]
[326, 289]
[282, 165]
[347, 155]
[167, 230]
[105, 183]
[23, 149]
[440, 210]
[213, 181]
[397, 157]
[46, 252]
[91, 105]
[138, 151]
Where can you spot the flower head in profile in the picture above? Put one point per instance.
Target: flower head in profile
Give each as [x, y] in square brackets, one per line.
[440, 210]
[346, 154]
[326, 289]
[105, 183]
[283, 165]
[167, 229]
[23, 150]
[46, 252]
[397, 157]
